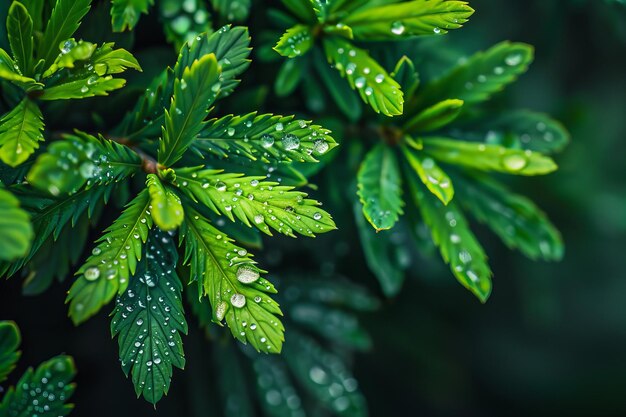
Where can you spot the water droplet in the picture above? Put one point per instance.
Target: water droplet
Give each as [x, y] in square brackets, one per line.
[220, 186]
[317, 216]
[290, 142]
[515, 162]
[220, 310]
[238, 300]
[513, 60]
[92, 274]
[247, 274]
[96, 251]
[267, 141]
[397, 28]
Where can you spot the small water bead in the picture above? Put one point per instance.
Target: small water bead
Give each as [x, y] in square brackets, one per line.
[379, 78]
[513, 60]
[257, 299]
[359, 82]
[267, 141]
[230, 131]
[247, 274]
[465, 257]
[437, 31]
[317, 216]
[320, 146]
[238, 300]
[84, 89]
[454, 238]
[397, 28]
[369, 91]
[254, 183]
[498, 70]
[220, 186]
[96, 251]
[92, 274]
[253, 326]
[259, 218]
[220, 310]
[139, 322]
[279, 127]
[290, 142]
[515, 162]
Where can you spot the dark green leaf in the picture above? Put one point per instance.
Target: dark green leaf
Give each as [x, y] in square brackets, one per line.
[435, 179]
[295, 42]
[380, 187]
[125, 13]
[20, 33]
[435, 117]
[149, 318]
[20, 132]
[16, 232]
[10, 340]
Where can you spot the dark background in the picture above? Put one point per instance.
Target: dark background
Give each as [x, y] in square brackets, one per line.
[552, 338]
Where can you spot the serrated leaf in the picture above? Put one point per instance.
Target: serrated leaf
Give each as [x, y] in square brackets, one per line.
[407, 19]
[233, 11]
[16, 232]
[458, 246]
[295, 42]
[64, 21]
[262, 204]
[42, 392]
[50, 216]
[9, 71]
[434, 117]
[317, 370]
[87, 87]
[383, 254]
[514, 218]
[487, 157]
[435, 179]
[228, 276]
[380, 187]
[167, 210]
[365, 75]
[10, 340]
[82, 160]
[406, 75]
[125, 13]
[523, 129]
[194, 92]
[481, 76]
[231, 47]
[20, 34]
[112, 262]
[265, 137]
[20, 132]
[148, 319]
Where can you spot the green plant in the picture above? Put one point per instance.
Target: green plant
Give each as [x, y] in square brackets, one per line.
[184, 188]
[42, 391]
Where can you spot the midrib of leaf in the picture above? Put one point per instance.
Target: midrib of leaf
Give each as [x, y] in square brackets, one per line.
[56, 39]
[209, 251]
[131, 229]
[182, 130]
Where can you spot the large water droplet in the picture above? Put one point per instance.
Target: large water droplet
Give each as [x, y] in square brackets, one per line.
[92, 274]
[397, 28]
[238, 300]
[514, 162]
[290, 142]
[247, 274]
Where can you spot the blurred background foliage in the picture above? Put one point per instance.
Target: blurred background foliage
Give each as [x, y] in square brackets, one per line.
[552, 337]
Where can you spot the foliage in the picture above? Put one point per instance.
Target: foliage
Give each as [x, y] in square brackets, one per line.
[185, 170]
[42, 391]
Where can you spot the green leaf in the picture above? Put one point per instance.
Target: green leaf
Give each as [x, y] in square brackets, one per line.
[231, 47]
[488, 157]
[87, 87]
[16, 233]
[380, 188]
[42, 392]
[20, 132]
[9, 72]
[35, 10]
[343, 96]
[383, 255]
[406, 75]
[125, 13]
[481, 76]
[148, 319]
[64, 21]
[435, 179]
[228, 276]
[71, 53]
[263, 204]
[435, 117]
[167, 210]
[295, 42]
[302, 9]
[458, 246]
[10, 340]
[82, 160]
[407, 19]
[50, 216]
[233, 11]
[365, 75]
[289, 76]
[523, 129]
[113, 260]
[318, 370]
[194, 92]
[266, 137]
[20, 33]
[514, 218]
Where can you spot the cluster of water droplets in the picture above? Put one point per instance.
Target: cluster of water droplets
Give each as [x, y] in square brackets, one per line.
[296, 40]
[510, 61]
